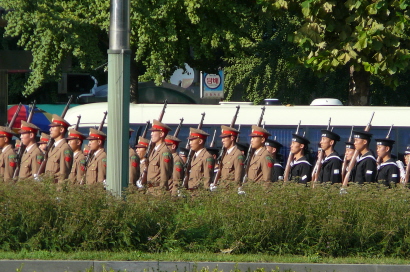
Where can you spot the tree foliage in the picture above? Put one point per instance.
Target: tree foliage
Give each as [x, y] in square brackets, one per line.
[164, 34]
[371, 36]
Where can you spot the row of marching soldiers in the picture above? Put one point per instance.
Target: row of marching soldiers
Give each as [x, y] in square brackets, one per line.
[65, 159]
[165, 167]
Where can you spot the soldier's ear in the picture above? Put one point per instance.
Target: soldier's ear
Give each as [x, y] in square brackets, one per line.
[388, 148]
[99, 142]
[201, 141]
[263, 139]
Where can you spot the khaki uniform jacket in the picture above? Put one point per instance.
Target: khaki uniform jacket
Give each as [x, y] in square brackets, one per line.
[134, 173]
[160, 167]
[78, 169]
[30, 162]
[261, 166]
[7, 163]
[232, 168]
[177, 174]
[97, 168]
[60, 160]
[202, 169]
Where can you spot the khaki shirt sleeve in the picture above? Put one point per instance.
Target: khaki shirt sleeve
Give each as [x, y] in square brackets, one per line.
[37, 159]
[267, 167]
[177, 173]
[208, 166]
[10, 164]
[239, 165]
[134, 169]
[102, 169]
[81, 167]
[66, 161]
[166, 163]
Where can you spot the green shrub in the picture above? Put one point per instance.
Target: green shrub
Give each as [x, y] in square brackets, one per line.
[368, 221]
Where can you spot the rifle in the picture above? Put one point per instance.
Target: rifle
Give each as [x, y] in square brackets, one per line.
[144, 133]
[249, 155]
[16, 113]
[239, 129]
[50, 143]
[318, 165]
[143, 178]
[344, 165]
[78, 122]
[187, 166]
[379, 160]
[22, 147]
[179, 127]
[222, 153]
[212, 144]
[290, 159]
[355, 155]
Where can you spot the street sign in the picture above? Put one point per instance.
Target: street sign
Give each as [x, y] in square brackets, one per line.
[212, 85]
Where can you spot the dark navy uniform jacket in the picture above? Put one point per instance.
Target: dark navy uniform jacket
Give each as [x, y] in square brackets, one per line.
[365, 169]
[331, 169]
[301, 170]
[277, 171]
[388, 172]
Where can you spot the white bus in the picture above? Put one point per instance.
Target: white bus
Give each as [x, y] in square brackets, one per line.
[280, 121]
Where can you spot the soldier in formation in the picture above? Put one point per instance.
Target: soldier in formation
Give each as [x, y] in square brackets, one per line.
[32, 157]
[97, 165]
[274, 148]
[174, 182]
[332, 163]
[60, 156]
[160, 161]
[75, 141]
[365, 169]
[202, 164]
[8, 158]
[261, 164]
[42, 144]
[388, 171]
[300, 167]
[134, 162]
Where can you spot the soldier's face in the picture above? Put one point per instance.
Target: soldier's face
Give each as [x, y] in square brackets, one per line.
[196, 144]
[270, 149]
[25, 138]
[141, 152]
[227, 141]
[43, 147]
[2, 141]
[75, 144]
[349, 153]
[55, 132]
[93, 144]
[360, 144]
[325, 143]
[296, 147]
[382, 150]
[156, 136]
[257, 142]
[407, 159]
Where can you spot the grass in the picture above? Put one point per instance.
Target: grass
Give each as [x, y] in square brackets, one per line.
[193, 257]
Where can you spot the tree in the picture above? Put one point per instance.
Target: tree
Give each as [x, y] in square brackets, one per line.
[371, 37]
[164, 34]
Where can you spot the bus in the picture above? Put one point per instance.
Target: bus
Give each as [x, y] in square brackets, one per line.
[280, 121]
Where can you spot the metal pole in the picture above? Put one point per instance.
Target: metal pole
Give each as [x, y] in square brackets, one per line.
[119, 55]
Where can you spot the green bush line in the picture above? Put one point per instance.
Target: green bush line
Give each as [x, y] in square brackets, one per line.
[286, 219]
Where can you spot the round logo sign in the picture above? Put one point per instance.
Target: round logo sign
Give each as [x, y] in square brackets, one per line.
[212, 81]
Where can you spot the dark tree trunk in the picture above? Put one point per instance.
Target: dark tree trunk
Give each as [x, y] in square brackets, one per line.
[359, 88]
[134, 79]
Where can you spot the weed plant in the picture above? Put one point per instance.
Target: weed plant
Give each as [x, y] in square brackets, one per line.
[368, 221]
